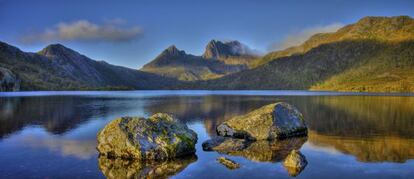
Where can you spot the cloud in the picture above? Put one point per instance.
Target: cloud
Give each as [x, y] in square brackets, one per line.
[82, 149]
[83, 30]
[300, 37]
[243, 49]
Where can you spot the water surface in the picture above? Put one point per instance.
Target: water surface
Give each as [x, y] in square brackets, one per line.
[352, 135]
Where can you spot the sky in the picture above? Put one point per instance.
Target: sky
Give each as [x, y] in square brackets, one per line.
[133, 32]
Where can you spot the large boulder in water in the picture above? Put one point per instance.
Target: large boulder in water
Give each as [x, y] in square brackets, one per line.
[159, 137]
[273, 121]
[8, 81]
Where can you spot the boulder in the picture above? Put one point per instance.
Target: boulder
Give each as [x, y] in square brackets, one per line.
[230, 164]
[8, 81]
[159, 137]
[260, 151]
[295, 162]
[273, 121]
[121, 168]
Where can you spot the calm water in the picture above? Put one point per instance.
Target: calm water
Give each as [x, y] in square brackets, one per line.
[53, 135]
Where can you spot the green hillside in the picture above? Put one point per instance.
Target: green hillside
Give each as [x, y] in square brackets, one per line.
[376, 54]
[368, 28]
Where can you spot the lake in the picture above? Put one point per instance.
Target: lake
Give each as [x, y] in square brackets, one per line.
[351, 135]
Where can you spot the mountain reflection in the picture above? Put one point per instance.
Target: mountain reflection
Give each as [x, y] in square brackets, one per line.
[57, 114]
[371, 128]
[372, 149]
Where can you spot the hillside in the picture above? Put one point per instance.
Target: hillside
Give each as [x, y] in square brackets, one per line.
[218, 60]
[59, 68]
[375, 54]
[368, 28]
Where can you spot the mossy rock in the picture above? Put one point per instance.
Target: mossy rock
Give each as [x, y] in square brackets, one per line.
[273, 121]
[159, 137]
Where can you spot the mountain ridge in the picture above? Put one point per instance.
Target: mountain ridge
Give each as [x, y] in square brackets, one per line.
[57, 67]
[371, 27]
[369, 56]
[375, 54]
[218, 60]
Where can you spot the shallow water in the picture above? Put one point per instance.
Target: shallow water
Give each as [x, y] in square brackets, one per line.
[352, 135]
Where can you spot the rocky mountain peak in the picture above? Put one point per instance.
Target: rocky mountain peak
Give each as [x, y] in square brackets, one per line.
[57, 50]
[173, 51]
[170, 55]
[217, 49]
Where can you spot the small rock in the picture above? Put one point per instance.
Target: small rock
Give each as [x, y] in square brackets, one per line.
[225, 144]
[273, 121]
[295, 162]
[230, 164]
[159, 137]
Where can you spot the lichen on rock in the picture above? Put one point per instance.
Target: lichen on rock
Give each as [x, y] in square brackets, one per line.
[270, 122]
[158, 137]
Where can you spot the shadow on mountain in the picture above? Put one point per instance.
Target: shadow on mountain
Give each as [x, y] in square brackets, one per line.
[118, 168]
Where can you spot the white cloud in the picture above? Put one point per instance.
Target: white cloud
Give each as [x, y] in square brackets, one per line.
[300, 37]
[83, 30]
[82, 149]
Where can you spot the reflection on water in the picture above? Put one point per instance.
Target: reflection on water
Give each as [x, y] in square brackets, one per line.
[260, 151]
[370, 149]
[118, 168]
[55, 136]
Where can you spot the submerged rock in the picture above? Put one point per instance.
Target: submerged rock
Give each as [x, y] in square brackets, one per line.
[295, 162]
[230, 164]
[273, 121]
[159, 137]
[8, 81]
[121, 168]
[261, 151]
[225, 144]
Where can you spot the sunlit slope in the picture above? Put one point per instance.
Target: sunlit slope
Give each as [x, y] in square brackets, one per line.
[360, 57]
[368, 28]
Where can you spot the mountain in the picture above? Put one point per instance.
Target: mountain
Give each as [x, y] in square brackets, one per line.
[229, 52]
[218, 60]
[374, 54]
[57, 67]
[368, 28]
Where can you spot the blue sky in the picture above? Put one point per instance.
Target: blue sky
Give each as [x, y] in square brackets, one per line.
[131, 33]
